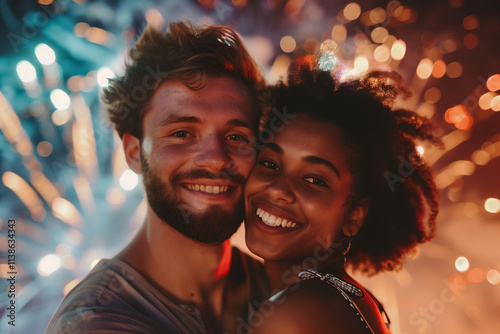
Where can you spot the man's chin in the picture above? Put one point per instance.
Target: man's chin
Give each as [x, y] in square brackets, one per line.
[202, 205]
[210, 226]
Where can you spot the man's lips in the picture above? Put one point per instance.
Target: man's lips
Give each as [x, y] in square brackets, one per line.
[211, 187]
[207, 188]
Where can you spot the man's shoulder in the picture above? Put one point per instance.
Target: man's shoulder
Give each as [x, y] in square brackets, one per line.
[104, 299]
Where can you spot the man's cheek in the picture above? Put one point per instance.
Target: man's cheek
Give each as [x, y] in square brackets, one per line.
[246, 155]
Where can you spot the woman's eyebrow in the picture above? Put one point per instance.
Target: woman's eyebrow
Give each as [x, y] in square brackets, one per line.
[320, 161]
[274, 147]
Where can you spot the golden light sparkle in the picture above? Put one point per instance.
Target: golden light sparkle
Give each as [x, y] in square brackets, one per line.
[352, 11]
[492, 205]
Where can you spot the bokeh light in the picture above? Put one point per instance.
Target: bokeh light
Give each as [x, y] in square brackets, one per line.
[361, 64]
[456, 3]
[352, 11]
[480, 157]
[44, 148]
[60, 116]
[26, 71]
[476, 275]
[382, 53]
[60, 99]
[48, 264]
[379, 34]
[493, 277]
[449, 45]
[471, 41]
[439, 69]
[103, 76]
[66, 211]
[288, 44]
[154, 18]
[339, 33]
[424, 68]
[471, 22]
[485, 100]
[495, 103]
[492, 205]
[398, 50]
[128, 180]
[432, 95]
[45, 54]
[454, 70]
[81, 29]
[460, 117]
[462, 264]
[378, 15]
[493, 82]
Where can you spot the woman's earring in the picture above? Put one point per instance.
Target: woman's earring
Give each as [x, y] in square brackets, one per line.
[345, 250]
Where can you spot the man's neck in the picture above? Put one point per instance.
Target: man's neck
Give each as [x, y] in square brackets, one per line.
[186, 271]
[178, 266]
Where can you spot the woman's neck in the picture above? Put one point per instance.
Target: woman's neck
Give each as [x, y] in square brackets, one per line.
[283, 274]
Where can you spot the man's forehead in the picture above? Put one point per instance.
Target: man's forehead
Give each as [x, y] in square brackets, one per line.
[199, 87]
[221, 99]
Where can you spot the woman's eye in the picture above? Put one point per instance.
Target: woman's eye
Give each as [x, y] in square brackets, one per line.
[236, 137]
[181, 134]
[316, 181]
[270, 165]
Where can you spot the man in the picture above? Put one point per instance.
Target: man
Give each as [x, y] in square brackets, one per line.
[187, 111]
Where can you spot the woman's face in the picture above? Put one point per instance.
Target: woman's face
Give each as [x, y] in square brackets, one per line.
[296, 195]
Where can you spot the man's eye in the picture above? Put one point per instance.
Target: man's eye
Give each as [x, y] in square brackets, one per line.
[316, 181]
[236, 137]
[180, 134]
[269, 164]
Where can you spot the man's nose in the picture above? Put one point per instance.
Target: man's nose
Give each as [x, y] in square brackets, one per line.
[213, 154]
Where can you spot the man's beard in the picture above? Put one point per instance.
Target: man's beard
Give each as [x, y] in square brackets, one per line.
[215, 225]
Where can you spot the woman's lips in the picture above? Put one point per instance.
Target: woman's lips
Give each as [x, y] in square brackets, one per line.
[273, 220]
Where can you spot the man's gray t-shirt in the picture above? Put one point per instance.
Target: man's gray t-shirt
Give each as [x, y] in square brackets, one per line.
[115, 298]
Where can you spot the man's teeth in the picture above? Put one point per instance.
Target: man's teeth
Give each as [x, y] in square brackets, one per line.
[272, 220]
[208, 189]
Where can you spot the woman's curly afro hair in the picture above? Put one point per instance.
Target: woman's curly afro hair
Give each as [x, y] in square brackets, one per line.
[380, 142]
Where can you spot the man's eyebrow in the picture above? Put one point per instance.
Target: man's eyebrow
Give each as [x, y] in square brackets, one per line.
[179, 119]
[239, 123]
[320, 161]
[274, 147]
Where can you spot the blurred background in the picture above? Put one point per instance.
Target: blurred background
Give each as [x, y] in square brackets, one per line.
[65, 183]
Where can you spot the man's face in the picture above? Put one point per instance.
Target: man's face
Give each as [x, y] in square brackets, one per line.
[196, 153]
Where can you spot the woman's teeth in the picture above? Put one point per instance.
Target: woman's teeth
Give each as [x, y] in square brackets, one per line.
[272, 220]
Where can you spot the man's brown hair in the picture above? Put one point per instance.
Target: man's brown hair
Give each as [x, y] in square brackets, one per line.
[185, 52]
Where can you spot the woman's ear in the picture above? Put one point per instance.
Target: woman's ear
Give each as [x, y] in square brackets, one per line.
[356, 217]
[132, 148]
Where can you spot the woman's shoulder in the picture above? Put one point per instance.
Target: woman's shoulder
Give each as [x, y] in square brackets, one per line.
[310, 306]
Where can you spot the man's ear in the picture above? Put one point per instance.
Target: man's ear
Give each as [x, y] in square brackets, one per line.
[356, 217]
[132, 148]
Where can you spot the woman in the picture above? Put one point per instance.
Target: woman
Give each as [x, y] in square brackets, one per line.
[338, 181]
